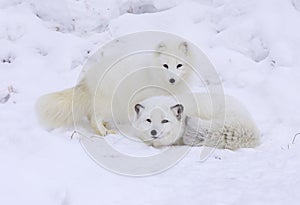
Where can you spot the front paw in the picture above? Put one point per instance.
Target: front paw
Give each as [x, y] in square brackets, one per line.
[157, 144]
[103, 131]
[162, 142]
[99, 126]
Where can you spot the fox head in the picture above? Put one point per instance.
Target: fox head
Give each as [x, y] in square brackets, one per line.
[170, 60]
[159, 125]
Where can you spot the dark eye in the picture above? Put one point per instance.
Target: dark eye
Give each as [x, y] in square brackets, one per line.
[166, 66]
[179, 65]
[164, 121]
[148, 120]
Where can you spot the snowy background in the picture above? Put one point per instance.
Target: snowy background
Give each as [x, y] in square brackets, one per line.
[255, 47]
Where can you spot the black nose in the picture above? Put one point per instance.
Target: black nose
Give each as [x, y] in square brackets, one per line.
[172, 80]
[153, 132]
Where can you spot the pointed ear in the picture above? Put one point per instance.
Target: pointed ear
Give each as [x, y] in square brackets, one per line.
[177, 110]
[138, 108]
[161, 48]
[184, 48]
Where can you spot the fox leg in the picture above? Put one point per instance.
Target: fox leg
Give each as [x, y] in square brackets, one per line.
[99, 125]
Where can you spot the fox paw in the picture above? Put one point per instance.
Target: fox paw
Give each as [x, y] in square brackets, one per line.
[103, 131]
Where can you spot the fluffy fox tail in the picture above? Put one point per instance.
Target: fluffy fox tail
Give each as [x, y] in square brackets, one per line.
[60, 109]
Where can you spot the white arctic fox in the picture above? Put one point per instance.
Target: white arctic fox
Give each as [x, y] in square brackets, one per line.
[195, 119]
[114, 83]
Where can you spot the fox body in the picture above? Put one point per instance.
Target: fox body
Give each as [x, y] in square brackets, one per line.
[195, 119]
[116, 79]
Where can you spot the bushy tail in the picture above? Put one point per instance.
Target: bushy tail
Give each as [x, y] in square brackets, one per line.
[55, 109]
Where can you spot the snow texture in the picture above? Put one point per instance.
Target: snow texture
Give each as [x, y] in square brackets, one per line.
[254, 46]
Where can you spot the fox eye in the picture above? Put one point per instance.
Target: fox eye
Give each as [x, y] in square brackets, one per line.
[148, 120]
[166, 66]
[164, 121]
[179, 65]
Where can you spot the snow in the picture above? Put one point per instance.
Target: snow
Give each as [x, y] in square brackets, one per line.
[254, 46]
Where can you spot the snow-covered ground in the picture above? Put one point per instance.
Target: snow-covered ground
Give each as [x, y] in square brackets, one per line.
[254, 46]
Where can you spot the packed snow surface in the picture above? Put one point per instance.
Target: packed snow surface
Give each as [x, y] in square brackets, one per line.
[254, 46]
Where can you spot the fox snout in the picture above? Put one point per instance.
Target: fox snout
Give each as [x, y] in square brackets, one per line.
[154, 134]
[172, 80]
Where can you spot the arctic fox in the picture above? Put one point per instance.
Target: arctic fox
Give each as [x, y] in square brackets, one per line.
[195, 119]
[114, 84]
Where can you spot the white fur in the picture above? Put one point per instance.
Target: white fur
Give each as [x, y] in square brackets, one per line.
[211, 120]
[151, 117]
[104, 93]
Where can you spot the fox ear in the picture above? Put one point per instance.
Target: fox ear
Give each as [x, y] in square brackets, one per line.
[138, 108]
[183, 47]
[177, 110]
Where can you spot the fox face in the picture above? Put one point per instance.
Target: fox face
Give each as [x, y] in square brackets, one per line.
[170, 60]
[174, 70]
[158, 126]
